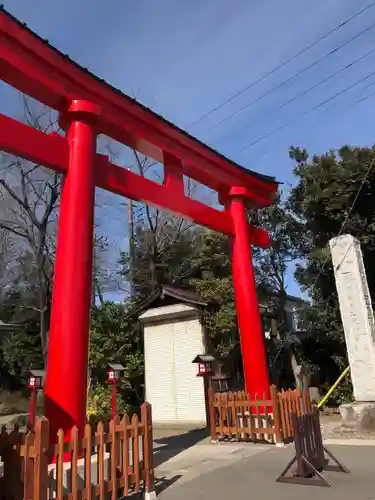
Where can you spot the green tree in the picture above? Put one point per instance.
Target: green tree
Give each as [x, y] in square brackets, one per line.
[210, 275]
[21, 350]
[272, 268]
[162, 249]
[333, 196]
[112, 338]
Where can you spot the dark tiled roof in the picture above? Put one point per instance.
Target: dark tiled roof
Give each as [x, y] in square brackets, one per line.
[167, 291]
[125, 96]
[9, 327]
[116, 367]
[37, 373]
[204, 358]
[182, 295]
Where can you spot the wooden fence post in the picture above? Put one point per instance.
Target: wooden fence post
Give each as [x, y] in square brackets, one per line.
[148, 458]
[114, 456]
[88, 451]
[307, 401]
[211, 413]
[40, 461]
[28, 467]
[279, 438]
[11, 483]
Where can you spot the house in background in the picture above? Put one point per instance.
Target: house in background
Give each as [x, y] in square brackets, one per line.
[269, 303]
[9, 328]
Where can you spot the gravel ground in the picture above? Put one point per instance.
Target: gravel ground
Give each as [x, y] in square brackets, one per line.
[8, 420]
[332, 429]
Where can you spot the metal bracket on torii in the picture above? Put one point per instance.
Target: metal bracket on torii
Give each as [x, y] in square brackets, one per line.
[88, 106]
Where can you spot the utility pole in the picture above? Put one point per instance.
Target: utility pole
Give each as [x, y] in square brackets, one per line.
[131, 247]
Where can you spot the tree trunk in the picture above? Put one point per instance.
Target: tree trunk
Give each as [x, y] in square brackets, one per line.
[43, 294]
[152, 262]
[283, 323]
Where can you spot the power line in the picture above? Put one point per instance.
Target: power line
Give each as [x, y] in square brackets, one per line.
[344, 222]
[291, 78]
[285, 124]
[316, 124]
[305, 92]
[356, 196]
[343, 225]
[277, 68]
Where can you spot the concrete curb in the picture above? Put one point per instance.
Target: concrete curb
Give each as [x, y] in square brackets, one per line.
[150, 495]
[350, 442]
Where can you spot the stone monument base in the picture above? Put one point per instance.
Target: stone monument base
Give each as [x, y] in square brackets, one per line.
[358, 416]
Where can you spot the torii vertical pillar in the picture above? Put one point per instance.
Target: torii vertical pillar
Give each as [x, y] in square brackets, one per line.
[66, 378]
[249, 321]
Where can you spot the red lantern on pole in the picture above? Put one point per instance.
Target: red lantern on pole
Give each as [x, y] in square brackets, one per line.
[115, 371]
[35, 383]
[204, 362]
[206, 371]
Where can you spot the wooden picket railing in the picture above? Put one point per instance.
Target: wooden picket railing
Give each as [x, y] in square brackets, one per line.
[235, 415]
[290, 402]
[100, 464]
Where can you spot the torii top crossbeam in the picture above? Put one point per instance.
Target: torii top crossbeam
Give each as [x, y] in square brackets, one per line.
[55, 80]
[88, 106]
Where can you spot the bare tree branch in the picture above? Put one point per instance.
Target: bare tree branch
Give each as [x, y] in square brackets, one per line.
[33, 195]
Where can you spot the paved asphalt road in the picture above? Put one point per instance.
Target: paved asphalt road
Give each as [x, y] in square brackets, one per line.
[253, 476]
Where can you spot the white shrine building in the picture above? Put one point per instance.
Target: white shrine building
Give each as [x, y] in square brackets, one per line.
[173, 336]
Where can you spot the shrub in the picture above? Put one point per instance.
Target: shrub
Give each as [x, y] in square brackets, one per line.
[100, 403]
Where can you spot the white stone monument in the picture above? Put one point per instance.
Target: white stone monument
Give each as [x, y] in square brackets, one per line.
[359, 327]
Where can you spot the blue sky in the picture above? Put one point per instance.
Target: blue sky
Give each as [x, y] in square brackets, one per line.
[183, 58]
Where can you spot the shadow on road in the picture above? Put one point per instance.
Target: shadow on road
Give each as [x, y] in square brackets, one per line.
[168, 447]
[162, 483]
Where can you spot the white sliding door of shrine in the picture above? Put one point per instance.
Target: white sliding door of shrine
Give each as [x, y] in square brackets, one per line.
[173, 337]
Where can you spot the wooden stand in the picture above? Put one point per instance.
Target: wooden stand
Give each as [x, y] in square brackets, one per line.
[311, 457]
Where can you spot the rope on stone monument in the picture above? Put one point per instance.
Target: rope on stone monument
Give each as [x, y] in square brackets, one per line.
[333, 387]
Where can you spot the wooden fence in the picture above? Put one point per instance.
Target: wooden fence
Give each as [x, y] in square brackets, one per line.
[234, 415]
[99, 465]
[290, 402]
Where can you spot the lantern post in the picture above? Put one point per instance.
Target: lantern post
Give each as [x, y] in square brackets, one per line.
[115, 371]
[35, 383]
[205, 370]
[204, 362]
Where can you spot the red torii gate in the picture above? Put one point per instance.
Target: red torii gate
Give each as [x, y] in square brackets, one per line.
[87, 107]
